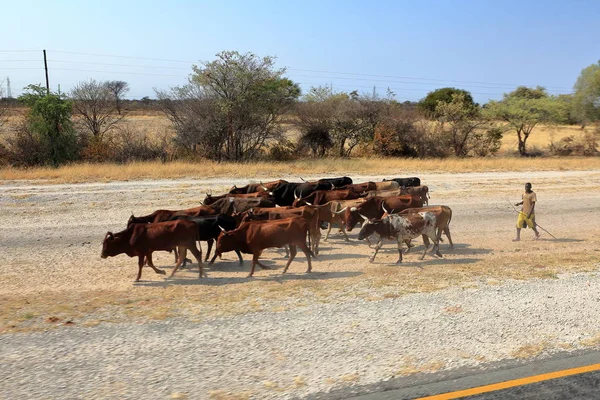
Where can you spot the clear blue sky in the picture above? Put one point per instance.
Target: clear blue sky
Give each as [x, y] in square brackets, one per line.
[423, 44]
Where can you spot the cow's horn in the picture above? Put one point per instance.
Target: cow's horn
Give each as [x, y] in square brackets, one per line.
[341, 211]
[365, 218]
[270, 193]
[307, 203]
[303, 179]
[201, 203]
[384, 210]
[353, 209]
[332, 185]
[231, 199]
[235, 186]
[296, 196]
[221, 228]
[263, 187]
[109, 235]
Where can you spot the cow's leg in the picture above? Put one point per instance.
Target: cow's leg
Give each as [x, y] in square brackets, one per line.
[179, 262]
[330, 224]
[254, 262]
[239, 254]
[447, 233]
[377, 247]
[210, 245]
[151, 264]
[141, 260]
[343, 230]
[426, 243]
[198, 255]
[409, 245]
[400, 241]
[306, 251]
[293, 253]
[436, 245]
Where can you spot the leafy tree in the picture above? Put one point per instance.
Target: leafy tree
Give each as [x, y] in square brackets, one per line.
[48, 126]
[93, 103]
[586, 99]
[118, 90]
[463, 128]
[429, 104]
[523, 109]
[231, 106]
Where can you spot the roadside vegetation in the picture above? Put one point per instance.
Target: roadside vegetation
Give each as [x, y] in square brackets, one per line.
[239, 108]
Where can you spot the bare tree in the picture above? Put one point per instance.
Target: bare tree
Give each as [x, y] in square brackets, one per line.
[118, 89]
[2, 106]
[93, 102]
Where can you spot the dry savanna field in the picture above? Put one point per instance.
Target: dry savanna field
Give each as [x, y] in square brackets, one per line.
[53, 281]
[52, 234]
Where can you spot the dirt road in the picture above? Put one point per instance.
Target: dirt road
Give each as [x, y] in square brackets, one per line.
[51, 276]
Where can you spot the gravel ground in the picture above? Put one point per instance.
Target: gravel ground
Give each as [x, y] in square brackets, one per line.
[337, 331]
[305, 351]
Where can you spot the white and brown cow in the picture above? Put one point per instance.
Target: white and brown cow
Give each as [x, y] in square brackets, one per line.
[403, 228]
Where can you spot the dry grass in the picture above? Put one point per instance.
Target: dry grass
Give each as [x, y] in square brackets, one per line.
[530, 350]
[31, 312]
[77, 173]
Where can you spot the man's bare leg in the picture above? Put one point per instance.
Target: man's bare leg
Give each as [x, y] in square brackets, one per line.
[518, 235]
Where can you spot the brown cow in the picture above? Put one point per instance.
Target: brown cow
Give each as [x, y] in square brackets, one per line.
[210, 199]
[256, 187]
[255, 236]
[142, 240]
[387, 185]
[320, 197]
[168, 215]
[373, 208]
[419, 191]
[360, 187]
[310, 213]
[385, 193]
[331, 214]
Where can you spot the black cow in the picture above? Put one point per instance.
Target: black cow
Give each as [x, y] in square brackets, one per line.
[403, 182]
[209, 229]
[337, 182]
[284, 193]
[306, 188]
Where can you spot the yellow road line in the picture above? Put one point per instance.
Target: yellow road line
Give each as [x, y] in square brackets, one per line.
[513, 383]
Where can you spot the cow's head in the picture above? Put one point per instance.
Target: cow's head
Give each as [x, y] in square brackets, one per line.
[226, 241]
[131, 220]
[368, 228]
[209, 199]
[112, 245]
[352, 217]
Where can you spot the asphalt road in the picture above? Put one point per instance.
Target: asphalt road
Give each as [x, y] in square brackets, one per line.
[580, 386]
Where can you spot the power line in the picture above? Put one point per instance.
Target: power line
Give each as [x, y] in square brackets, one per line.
[412, 78]
[115, 56]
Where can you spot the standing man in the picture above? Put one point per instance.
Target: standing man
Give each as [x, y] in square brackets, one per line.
[527, 214]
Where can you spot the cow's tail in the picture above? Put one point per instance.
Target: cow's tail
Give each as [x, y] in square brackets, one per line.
[309, 242]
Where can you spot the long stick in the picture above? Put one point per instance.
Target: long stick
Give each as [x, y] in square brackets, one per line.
[536, 224]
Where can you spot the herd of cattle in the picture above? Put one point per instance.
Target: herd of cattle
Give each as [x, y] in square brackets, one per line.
[252, 218]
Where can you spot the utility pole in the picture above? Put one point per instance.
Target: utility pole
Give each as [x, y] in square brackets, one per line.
[8, 92]
[46, 68]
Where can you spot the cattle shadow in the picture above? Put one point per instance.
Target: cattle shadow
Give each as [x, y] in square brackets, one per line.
[427, 261]
[291, 275]
[459, 249]
[559, 240]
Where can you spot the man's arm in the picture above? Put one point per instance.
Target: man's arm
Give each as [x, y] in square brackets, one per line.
[532, 209]
[519, 203]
